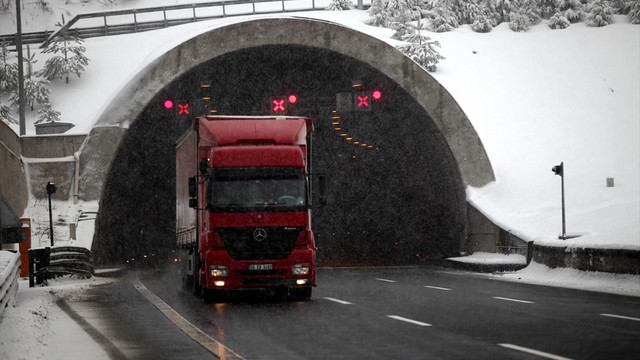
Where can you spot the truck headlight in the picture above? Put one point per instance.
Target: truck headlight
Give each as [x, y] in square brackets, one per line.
[301, 269]
[218, 270]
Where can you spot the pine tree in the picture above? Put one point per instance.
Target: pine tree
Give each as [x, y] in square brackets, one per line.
[378, 14]
[504, 8]
[339, 5]
[519, 22]
[634, 12]
[482, 24]
[8, 71]
[69, 58]
[47, 115]
[465, 10]
[5, 114]
[558, 21]
[423, 53]
[570, 9]
[533, 10]
[442, 20]
[600, 13]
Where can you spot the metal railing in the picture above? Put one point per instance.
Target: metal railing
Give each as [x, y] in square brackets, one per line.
[119, 22]
[49, 262]
[8, 278]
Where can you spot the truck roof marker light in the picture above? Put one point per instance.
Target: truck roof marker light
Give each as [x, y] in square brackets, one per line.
[168, 104]
[377, 94]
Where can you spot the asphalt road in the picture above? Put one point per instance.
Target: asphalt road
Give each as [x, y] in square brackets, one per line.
[379, 313]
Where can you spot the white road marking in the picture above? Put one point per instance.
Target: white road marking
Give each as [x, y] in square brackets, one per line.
[514, 300]
[535, 352]
[338, 301]
[437, 288]
[213, 346]
[621, 317]
[385, 280]
[415, 322]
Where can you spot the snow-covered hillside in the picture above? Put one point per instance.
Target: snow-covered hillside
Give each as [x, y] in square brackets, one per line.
[536, 98]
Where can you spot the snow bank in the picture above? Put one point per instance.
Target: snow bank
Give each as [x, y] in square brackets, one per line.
[35, 328]
[621, 284]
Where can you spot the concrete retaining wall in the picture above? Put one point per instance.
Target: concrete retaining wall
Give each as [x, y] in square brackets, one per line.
[604, 260]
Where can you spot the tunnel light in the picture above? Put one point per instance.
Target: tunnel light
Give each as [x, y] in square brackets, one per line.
[335, 123]
[337, 129]
[349, 138]
[343, 134]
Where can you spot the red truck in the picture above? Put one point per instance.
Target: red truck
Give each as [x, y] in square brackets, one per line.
[243, 215]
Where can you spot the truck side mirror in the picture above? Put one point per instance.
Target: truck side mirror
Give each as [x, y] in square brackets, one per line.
[202, 166]
[193, 187]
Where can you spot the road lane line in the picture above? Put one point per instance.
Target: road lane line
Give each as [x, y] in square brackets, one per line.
[338, 301]
[514, 300]
[621, 317]
[385, 280]
[535, 352]
[216, 348]
[437, 288]
[415, 322]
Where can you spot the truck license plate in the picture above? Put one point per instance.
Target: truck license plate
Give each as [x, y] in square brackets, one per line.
[261, 267]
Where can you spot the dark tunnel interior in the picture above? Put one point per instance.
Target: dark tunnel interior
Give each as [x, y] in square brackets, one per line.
[393, 192]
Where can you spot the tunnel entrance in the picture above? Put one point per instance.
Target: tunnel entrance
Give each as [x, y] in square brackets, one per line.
[393, 192]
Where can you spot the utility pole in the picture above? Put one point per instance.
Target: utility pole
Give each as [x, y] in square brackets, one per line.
[20, 70]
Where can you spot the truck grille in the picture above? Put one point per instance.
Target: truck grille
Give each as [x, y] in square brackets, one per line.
[269, 243]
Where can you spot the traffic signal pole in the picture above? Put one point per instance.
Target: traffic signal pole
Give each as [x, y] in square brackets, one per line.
[559, 170]
[51, 189]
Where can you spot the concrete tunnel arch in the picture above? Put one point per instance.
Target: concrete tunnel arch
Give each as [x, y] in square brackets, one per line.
[105, 138]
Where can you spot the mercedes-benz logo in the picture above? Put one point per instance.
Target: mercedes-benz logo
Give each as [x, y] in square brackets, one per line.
[259, 234]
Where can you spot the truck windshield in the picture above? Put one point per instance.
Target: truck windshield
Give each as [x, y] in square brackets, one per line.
[262, 189]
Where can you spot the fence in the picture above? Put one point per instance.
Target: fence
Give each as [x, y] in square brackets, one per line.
[47, 263]
[9, 273]
[119, 22]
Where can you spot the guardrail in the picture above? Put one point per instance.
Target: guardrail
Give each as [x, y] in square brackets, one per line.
[47, 263]
[119, 22]
[9, 273]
